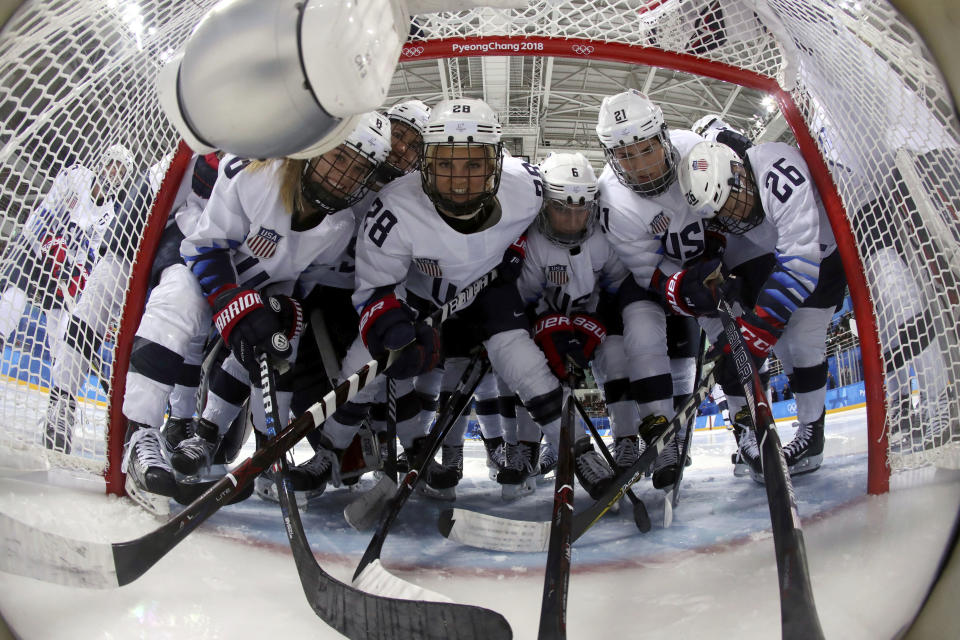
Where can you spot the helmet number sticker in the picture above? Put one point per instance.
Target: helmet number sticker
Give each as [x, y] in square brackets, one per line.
[620, 115]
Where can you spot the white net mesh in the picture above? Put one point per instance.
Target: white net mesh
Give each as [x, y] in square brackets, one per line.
[77, 79]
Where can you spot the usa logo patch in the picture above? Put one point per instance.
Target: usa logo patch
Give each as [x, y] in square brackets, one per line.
[264, 244]
[557, 274]
[660, 223]
[700, 164]
[429, 267]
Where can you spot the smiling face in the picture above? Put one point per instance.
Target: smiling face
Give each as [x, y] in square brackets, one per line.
[459, 178]
[405, 143]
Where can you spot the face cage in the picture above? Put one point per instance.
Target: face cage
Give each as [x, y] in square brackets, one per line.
[389, 171]
[566, 240]
[111, 187]
[651, 187]
[314, 194]
[737, 200]
[428, 178]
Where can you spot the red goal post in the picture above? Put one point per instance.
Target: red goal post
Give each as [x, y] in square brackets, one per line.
[855, 83]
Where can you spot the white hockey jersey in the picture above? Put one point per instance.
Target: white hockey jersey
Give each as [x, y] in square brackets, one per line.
[70, 213]
[568, 281]
[246, 221]
[404, 240]
[795, 224]
[661, 232]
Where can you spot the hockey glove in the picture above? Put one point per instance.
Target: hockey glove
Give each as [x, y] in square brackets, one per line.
[590, 332]
[248, 325]
[555, 336]
[512, 264]
[387, 324]
[693, 291]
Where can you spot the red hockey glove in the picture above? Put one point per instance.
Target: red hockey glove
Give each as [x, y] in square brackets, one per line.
[387, 324]
[512, 264]
[590, 331]
[249, 326]
[555, 336]
[693, 291]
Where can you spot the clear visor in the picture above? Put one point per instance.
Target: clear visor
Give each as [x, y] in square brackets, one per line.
[567, 224]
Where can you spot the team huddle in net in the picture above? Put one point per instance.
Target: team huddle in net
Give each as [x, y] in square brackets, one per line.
[326, 262]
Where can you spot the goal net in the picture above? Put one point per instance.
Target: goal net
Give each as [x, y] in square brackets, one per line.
[868, 107]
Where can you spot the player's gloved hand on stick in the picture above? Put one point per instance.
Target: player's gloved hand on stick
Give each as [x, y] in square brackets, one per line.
[249, 324]
[692, 291]
[590, 332]
[387, 324]
[555, 335]
[512, 264]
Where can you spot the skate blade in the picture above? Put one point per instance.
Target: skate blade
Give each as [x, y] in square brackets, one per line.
[510, 492]
[152, 503]
[446, 495]
[807, 465]
[740, 469]
[266, 490]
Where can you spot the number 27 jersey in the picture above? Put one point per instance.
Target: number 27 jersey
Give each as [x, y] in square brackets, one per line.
[404, 239]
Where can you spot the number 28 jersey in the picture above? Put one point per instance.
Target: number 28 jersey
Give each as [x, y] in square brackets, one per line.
[404, 240]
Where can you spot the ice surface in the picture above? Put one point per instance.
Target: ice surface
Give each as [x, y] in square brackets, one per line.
[711, 575]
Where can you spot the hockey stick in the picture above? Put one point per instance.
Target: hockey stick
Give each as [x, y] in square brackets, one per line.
[504, 534]
[556, 581]
[798, 613]
[350, 611]
[451, 411]
[640, 516]
[364, 511]
[673, 496]
[59, 559]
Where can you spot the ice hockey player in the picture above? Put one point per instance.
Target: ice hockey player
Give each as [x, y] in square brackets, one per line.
[89, 320]
[781, 248]
[335, 314]
[436, 232]
[654, 233]
[265, 226]
[60, 241]
[568, 266]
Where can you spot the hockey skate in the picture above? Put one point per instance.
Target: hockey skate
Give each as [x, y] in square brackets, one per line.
[746, 459]
[176, 430]
[496, 455]
[149, 482]
[667, 465]
[438, 482]
[515, 480]
[626, 451]
[58, 427]
[591, 470]
[266, 488]
[194, 454]
[547, 463]
[804, 453]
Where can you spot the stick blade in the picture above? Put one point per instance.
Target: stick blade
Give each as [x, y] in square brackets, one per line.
[491, 532]
[33, 553]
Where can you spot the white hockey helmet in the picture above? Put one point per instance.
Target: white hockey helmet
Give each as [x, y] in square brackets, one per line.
[415, 113]
[716, 185]
[408, 121]
[462, 156]
[267, 79]
[636, 143]
[114, 170]
[708, 122]
[569, 212]
[339, 178]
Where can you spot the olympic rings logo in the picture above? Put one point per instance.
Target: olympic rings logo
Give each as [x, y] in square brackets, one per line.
[582, 49]
[412, 52]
